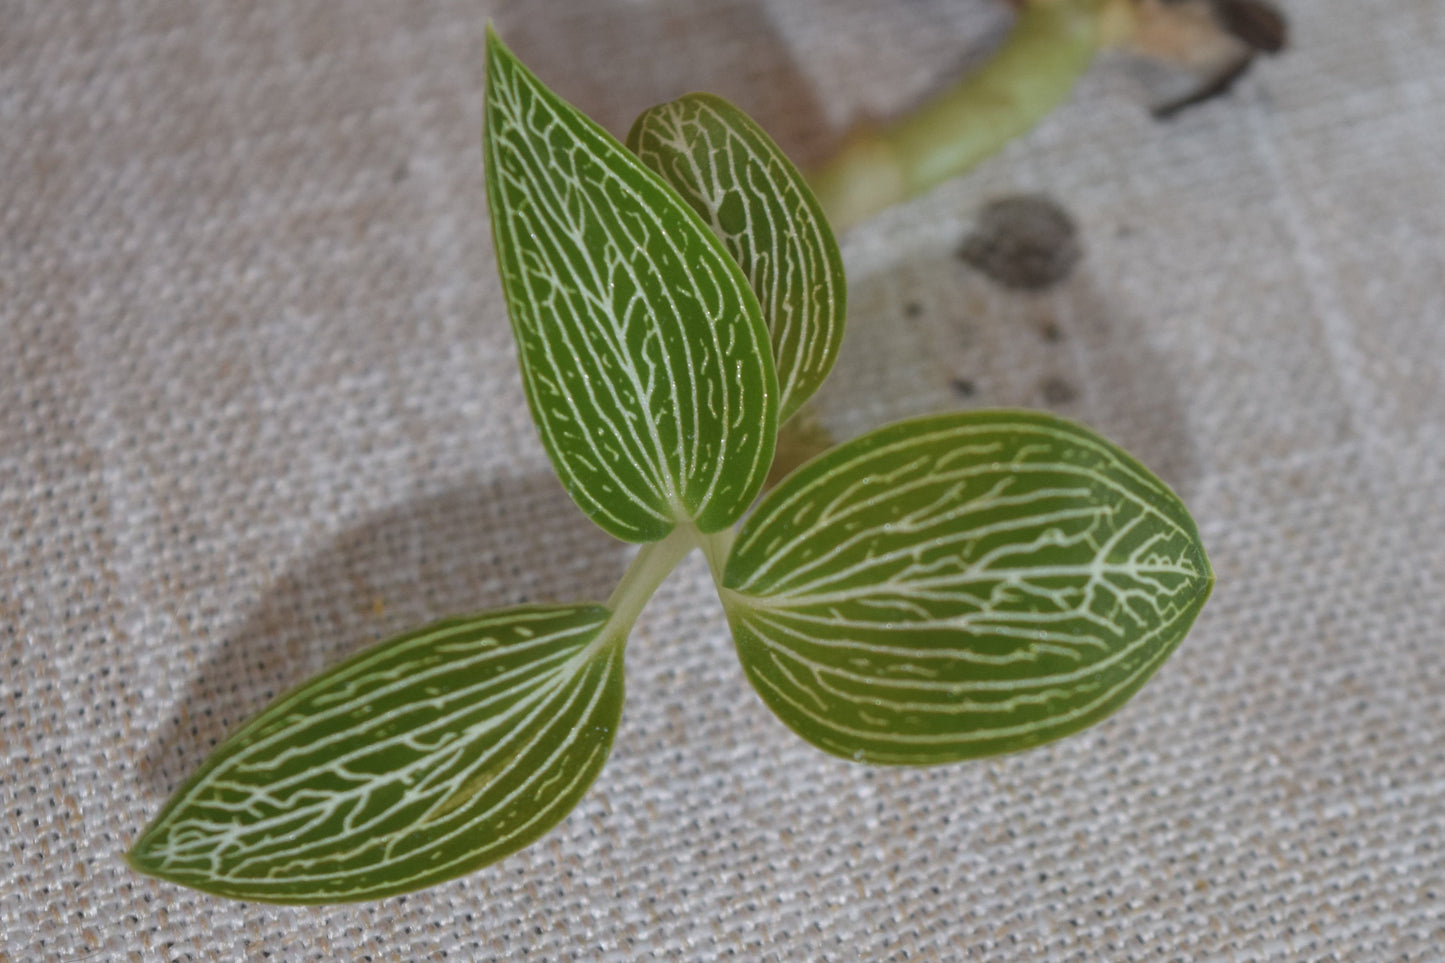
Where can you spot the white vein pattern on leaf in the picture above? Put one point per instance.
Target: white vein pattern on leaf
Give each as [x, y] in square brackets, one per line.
[708, 292]
[882, 732]
[916, 457]
[918, 577]
[504, 683]
[583, 262]
[773, 629]
[289, 871]
[864, 603]
[212, 841]
[292, 871]
[504, 103]
[781, 244]
[826, 717]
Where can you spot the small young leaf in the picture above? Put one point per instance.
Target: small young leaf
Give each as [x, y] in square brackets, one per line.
[423, 759]
[755, 200]
[643, 349]
[960, 585]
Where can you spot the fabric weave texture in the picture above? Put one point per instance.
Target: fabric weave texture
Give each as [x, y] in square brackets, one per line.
[259, 406]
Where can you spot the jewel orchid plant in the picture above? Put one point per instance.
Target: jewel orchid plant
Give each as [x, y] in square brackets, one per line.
[940, 589]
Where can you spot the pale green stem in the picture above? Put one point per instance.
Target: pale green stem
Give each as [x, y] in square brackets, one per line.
[716, 548]
[646, 572]
[1049, 48]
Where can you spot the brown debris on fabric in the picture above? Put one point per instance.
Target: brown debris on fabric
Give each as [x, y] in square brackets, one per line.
[1026, 242]
[1259, 25]
[1215, 40]
[1213, 88]
[1058, 391]
[963, 387]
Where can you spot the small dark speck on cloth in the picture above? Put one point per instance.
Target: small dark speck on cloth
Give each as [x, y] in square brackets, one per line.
[963, 387]
[1057, 391]
[1026, 242]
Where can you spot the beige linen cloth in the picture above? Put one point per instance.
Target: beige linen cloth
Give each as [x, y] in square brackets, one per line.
[259, 406]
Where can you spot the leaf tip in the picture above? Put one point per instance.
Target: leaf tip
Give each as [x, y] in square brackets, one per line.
[497, 51]
[494, 41]
[140, 857]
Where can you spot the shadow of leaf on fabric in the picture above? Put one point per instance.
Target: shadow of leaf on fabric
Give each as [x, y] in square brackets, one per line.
[503, 542]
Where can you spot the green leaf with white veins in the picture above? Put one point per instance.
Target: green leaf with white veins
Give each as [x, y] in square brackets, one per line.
[754, 199]
[961, 585]
[643, 349]
[422, 759]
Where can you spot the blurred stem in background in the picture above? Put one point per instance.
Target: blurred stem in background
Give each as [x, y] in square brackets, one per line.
[1050, 46]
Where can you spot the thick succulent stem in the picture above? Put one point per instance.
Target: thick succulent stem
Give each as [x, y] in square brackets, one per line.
[1050, 46]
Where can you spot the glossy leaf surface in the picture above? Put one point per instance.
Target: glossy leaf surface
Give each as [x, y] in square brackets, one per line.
[643, 350]
[425, 758]
[756, 202]
[960, 585]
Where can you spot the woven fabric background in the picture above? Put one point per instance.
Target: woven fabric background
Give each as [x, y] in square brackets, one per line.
[259, 406]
